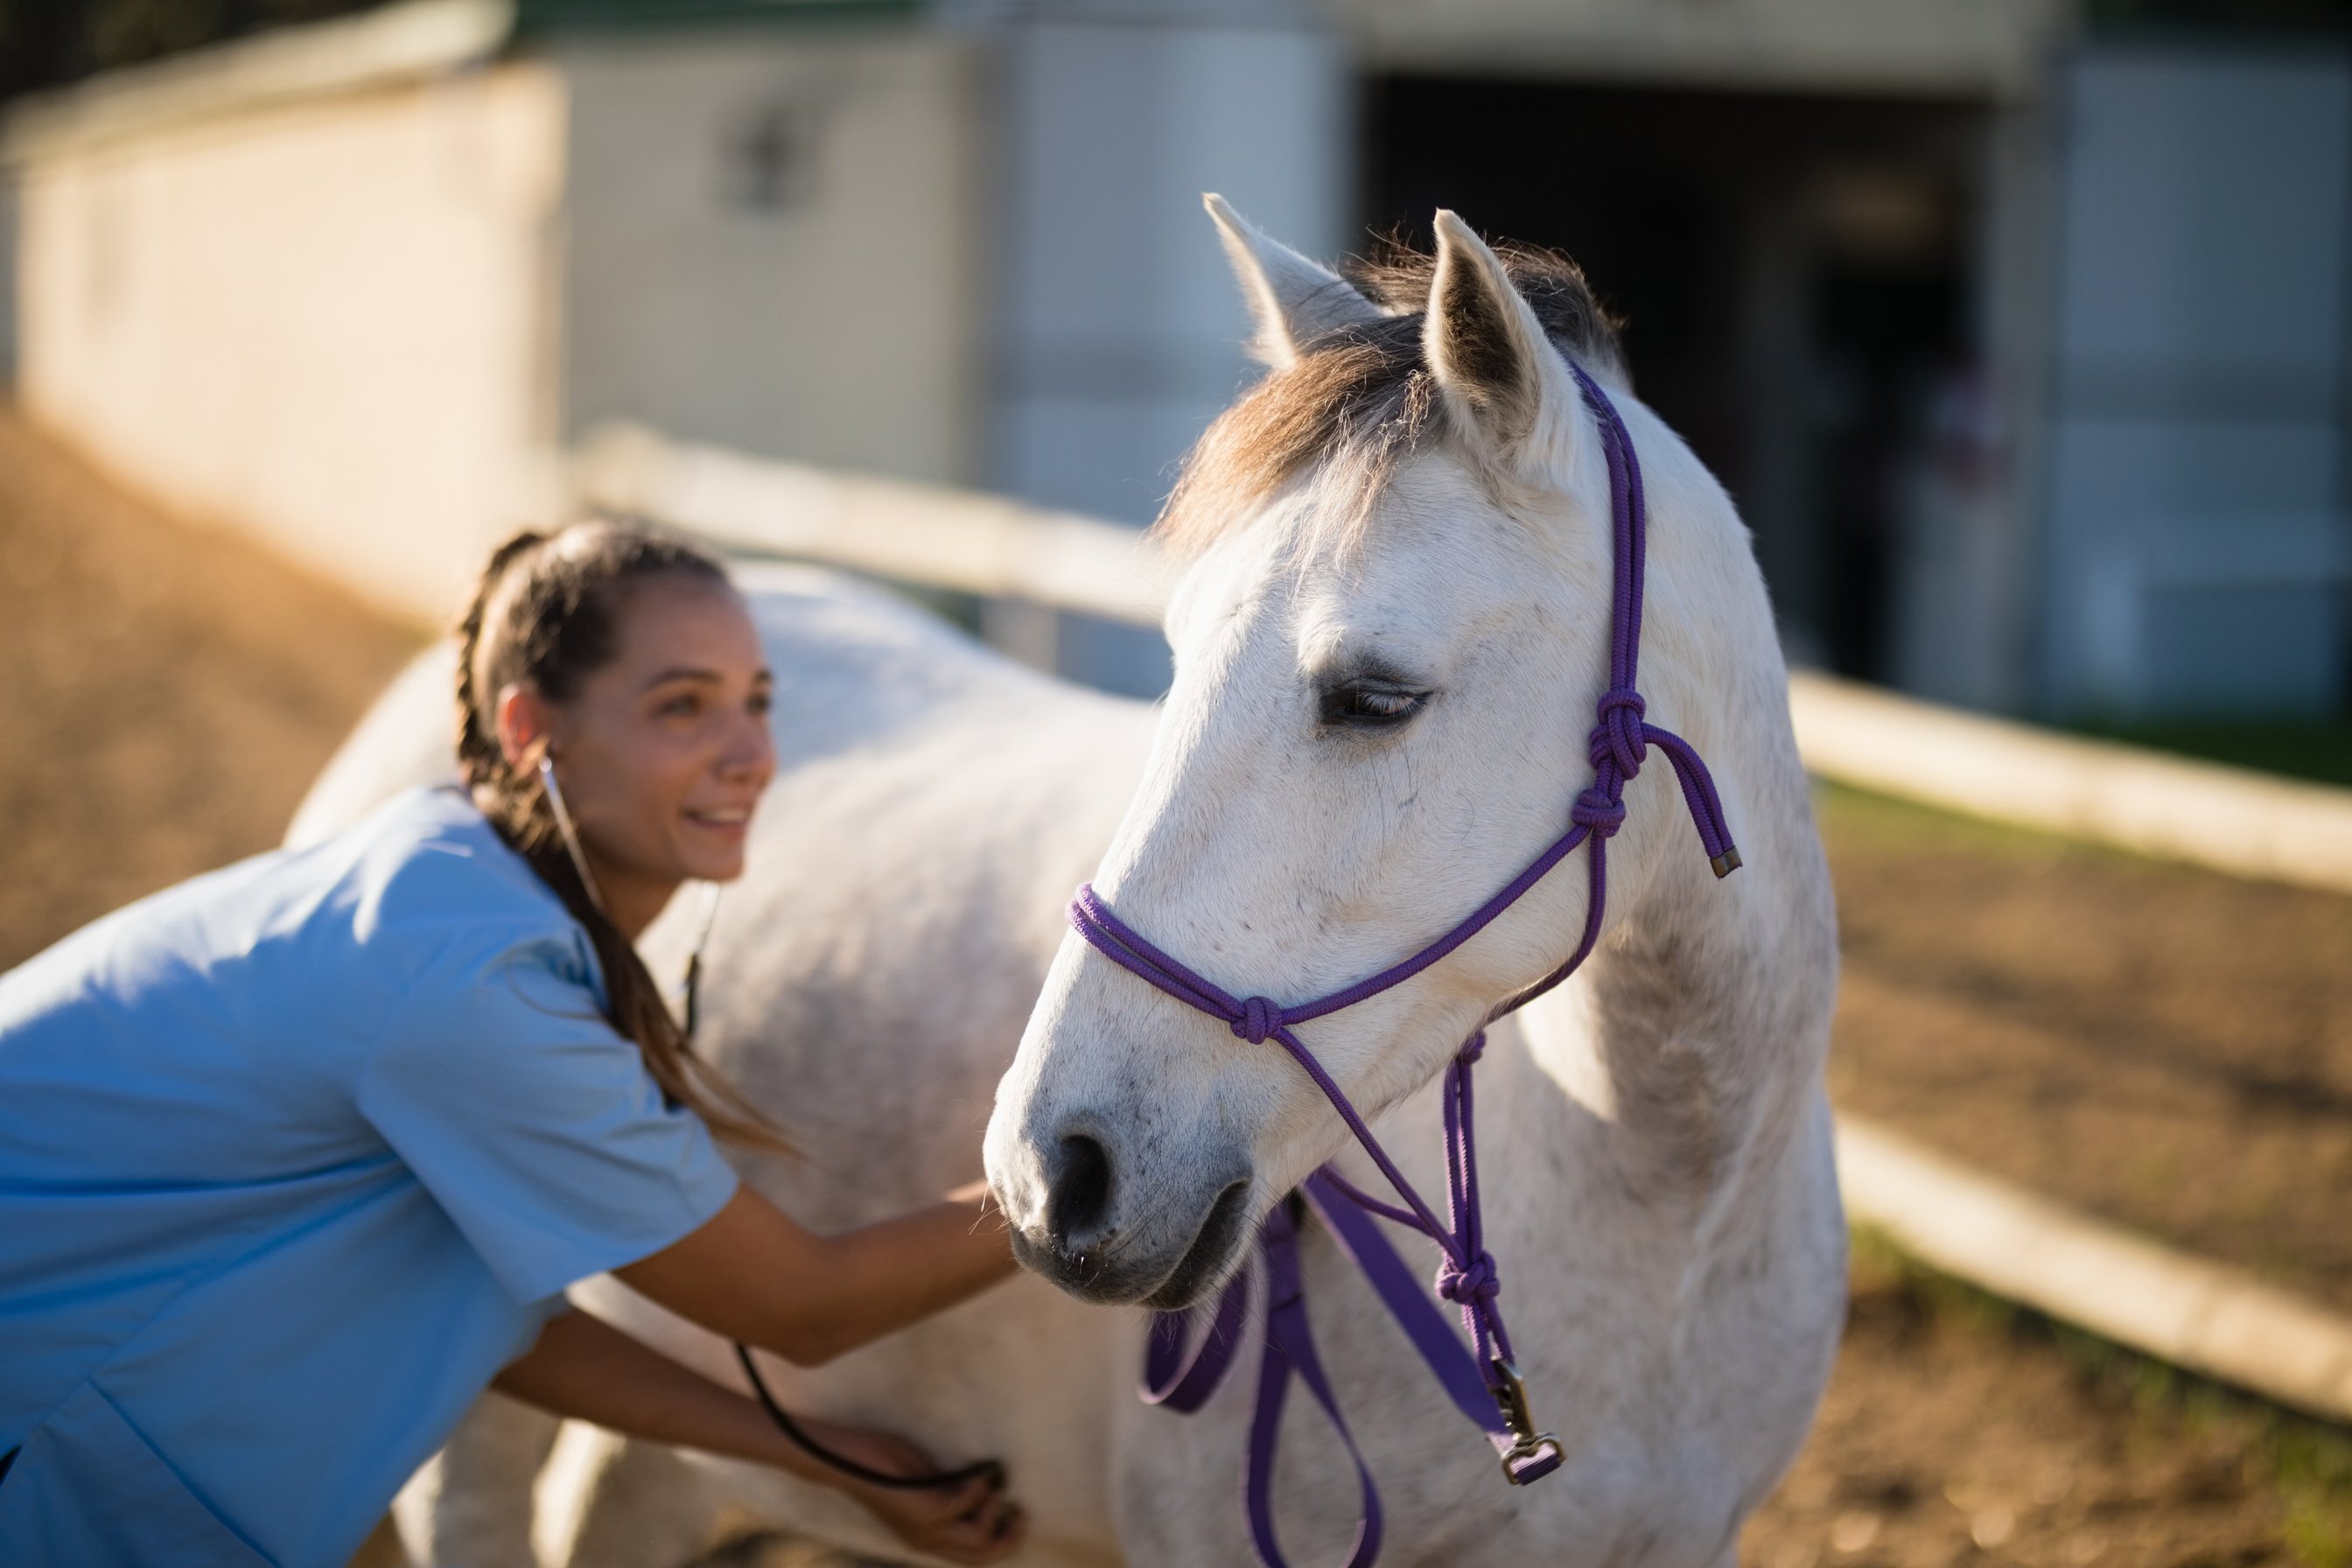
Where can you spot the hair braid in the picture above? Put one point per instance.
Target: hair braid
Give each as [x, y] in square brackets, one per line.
[545, 614]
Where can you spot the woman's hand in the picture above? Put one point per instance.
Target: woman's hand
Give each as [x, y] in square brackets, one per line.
[586, 1370]
[974, 1522]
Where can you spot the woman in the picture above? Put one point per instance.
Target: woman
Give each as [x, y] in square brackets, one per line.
[296, 1157]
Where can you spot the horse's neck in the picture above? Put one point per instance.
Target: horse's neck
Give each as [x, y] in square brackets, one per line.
[1677, 1079]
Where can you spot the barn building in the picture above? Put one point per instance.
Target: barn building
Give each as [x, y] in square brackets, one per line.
[2018, 328]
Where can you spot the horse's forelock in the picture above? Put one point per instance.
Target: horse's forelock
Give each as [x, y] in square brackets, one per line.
[1359, 400]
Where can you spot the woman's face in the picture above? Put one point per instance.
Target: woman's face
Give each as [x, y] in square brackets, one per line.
[662, 753]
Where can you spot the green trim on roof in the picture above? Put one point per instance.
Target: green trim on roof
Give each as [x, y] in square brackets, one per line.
[564, 15]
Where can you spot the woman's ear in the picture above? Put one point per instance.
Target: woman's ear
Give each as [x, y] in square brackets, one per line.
[523, 722]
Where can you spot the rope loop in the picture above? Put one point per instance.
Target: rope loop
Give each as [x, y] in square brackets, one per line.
[1472, 1050]
[1260, 1018]
[1617, 738]
[1475, 1281]
[1598, 812]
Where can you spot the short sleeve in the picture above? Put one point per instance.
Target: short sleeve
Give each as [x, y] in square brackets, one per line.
[533, 1121]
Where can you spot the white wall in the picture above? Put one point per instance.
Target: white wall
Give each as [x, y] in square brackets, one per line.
[775, 242]
[2198, 555]
[1119, 326]
[319, 321]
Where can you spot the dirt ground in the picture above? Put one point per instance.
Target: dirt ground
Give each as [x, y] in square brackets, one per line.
[2166, 1047]
[166, 694]
[2169, 1048]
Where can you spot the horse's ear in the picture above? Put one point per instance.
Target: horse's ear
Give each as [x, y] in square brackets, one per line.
[1290, 298]
[1504, 386]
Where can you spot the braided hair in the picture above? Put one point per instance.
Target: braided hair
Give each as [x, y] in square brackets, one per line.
[546, 615]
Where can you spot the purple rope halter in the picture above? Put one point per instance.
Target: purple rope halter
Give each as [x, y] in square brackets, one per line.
[1488, 1389]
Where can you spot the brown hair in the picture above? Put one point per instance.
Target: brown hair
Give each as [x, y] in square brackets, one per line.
[546, 615]
[1358, 398]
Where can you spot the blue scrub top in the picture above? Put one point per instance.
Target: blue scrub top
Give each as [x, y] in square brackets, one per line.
[293, 1159]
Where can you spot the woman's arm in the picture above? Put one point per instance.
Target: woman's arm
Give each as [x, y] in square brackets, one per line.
[584, 1369]
[752, 1274]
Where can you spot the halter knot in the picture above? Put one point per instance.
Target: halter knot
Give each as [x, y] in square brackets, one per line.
[1472, 1050]
[1598, 812]
[1475, 1281]
[1617, 738]
[1259, 1019]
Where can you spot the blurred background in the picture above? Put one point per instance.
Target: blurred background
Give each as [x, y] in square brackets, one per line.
[2018, 328]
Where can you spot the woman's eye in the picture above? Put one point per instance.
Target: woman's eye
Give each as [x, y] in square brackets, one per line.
[682, 706]
[760, 704]
[1370, 706]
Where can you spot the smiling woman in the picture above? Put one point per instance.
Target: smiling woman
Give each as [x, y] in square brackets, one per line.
[321, 1140]
[619, 765]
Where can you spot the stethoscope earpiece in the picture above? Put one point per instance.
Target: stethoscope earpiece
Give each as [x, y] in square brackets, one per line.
[563, 826]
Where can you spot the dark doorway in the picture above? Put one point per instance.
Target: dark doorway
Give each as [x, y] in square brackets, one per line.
[1797, 275]
[47, 43]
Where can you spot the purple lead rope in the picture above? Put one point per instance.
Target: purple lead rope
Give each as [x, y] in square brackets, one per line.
[1485, 1385]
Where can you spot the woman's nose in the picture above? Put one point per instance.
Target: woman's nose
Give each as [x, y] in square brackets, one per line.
[750, 751]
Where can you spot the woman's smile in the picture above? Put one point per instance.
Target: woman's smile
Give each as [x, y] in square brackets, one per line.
[727, 823]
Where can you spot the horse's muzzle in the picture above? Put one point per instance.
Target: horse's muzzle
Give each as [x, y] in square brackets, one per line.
[1105, 1236]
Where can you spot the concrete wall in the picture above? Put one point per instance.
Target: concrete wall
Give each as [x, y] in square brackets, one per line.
[321, 322]
[775, 242]
[2199, 546]
[1118, 328]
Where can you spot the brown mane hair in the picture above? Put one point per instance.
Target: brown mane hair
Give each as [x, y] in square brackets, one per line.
[546, 614]
[1359, 400]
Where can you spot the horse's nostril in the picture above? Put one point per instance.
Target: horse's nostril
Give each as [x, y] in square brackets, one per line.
[1081, 1192]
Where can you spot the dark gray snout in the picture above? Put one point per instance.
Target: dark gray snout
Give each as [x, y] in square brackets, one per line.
[1108, 1233]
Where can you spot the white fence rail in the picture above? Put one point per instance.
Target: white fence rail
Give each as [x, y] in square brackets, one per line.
[2228, 819]
[2209, 1317]
[918, 533]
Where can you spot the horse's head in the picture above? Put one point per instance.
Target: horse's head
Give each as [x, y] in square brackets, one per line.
[1389, 646]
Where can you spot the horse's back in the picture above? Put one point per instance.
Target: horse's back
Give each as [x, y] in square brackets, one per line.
[856, 664]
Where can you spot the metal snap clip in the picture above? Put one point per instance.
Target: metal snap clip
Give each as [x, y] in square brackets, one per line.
[1511, 1396]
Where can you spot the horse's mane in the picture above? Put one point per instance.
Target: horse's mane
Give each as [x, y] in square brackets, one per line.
[1359, 400]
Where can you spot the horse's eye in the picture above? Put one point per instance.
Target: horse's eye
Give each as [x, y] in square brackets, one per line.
[1370, 705]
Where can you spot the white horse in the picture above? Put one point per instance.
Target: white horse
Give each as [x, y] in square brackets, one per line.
[1389, 649]
[1389, 652]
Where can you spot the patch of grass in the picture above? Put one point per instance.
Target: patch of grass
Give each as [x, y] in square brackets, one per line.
[2304, 1461]
[2317, 749]
[1868, 822]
